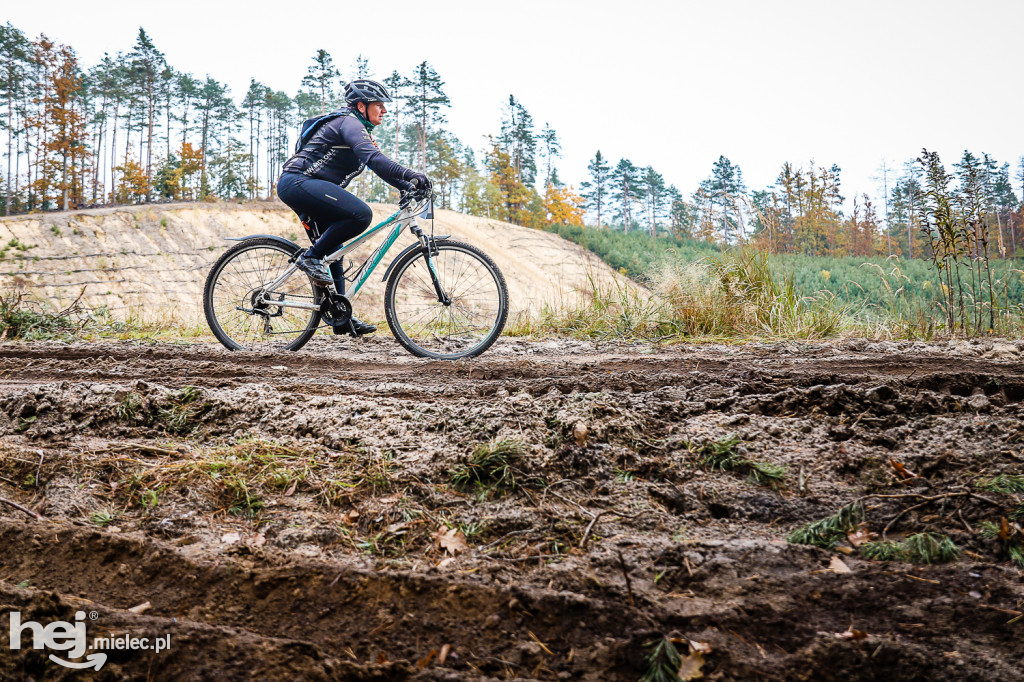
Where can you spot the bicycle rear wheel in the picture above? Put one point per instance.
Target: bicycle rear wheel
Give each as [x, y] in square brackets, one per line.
[469, 324]
[242, 314]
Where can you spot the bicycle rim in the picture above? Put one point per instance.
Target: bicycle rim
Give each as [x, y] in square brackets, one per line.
[236, 315]
[465, 328]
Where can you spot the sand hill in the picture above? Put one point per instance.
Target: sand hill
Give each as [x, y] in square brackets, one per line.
[148, 260]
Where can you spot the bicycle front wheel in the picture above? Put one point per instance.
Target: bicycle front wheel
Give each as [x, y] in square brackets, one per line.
[241, 311]
[468, 323]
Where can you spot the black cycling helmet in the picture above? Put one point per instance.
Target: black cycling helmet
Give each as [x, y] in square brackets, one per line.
[365, 90]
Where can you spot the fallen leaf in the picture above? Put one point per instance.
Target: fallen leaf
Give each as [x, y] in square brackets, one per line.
[861, 535]
[451, 540]
[690, 666]
[579, 432]
[851, 634]
[1004, 529]
[425, 661]
[291, 489]
[837, 566]
[259, 540]
[141, 608]
[700, 647]
[349, 517]
[901, 471]
[230, 538]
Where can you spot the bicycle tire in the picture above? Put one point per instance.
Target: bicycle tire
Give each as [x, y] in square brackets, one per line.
[224, 300]
[410, 295]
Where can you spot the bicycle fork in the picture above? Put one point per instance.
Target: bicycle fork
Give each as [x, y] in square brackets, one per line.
[429, 251]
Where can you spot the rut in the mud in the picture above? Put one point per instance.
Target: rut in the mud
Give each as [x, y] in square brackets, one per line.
[544, 512]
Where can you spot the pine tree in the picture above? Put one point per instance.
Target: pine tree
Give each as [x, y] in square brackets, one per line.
[397, 85]
[253, 104]
[654, 198]
[14, 57]
[723, 188]
[148, 62]
[552, 148]
[321, 79]
[681, 215]
[445, 165]
[625, 190]
[884, 170]
[215, 107]
[361, 68]
[279, 109]
[425, 99]
[518, 140]
[595, 190]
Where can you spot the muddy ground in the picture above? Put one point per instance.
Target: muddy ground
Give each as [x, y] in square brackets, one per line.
[550, 511]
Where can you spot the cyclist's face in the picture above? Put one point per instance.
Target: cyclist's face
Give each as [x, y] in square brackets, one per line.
[375, 112]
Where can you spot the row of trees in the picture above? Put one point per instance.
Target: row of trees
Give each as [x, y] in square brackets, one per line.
[803, 211]
[135, 129]
[132, 128]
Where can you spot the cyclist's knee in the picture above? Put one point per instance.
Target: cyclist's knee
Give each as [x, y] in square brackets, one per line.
[365, 216]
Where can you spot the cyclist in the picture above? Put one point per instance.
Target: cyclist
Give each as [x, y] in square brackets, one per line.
[313, 180]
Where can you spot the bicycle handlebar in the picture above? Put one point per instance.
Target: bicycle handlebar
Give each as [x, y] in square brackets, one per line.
[408, 196]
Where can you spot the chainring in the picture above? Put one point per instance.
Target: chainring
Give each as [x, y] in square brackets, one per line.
[336, 310]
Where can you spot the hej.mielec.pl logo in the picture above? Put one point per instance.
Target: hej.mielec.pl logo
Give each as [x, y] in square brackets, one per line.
[72, 641]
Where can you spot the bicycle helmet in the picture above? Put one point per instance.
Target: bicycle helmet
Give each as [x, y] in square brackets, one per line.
[365, 90]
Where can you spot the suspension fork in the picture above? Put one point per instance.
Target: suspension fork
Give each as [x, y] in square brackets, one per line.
[429, 251]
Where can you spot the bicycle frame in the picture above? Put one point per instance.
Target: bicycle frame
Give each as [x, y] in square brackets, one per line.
[405, 217]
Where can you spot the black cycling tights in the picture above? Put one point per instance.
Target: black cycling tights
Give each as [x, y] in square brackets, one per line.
[340, 214]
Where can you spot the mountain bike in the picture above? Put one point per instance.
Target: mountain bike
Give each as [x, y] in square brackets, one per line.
[444, 299]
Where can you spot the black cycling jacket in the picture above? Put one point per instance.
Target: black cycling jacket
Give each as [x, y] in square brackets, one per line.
[340, 150]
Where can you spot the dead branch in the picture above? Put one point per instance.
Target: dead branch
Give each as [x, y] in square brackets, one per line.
[36, 515]
[593, 521]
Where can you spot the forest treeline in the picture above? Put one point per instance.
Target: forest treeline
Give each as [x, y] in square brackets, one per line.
[134, 129]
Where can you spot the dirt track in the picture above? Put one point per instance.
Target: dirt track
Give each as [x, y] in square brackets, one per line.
[302, 516]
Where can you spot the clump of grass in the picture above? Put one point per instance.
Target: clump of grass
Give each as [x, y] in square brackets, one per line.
[930, 548]
[723, 454]
[129, 407]
[1010, 539]
[180, 417]
[738, 294]
[663, 662]
[920, 548]
[884, 550]
[247, 471]
[604, 309]
[826, 532]
[1006, 484]
[491, 465]
[102, 518]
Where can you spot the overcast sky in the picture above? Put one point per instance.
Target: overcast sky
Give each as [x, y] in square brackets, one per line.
[668, 84]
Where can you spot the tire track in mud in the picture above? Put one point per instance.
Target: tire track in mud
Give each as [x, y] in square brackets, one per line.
[615, 533]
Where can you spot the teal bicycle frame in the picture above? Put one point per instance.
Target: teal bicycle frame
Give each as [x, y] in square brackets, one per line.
[404, 218]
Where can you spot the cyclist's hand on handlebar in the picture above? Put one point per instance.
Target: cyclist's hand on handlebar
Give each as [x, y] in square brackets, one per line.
[419, 180]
